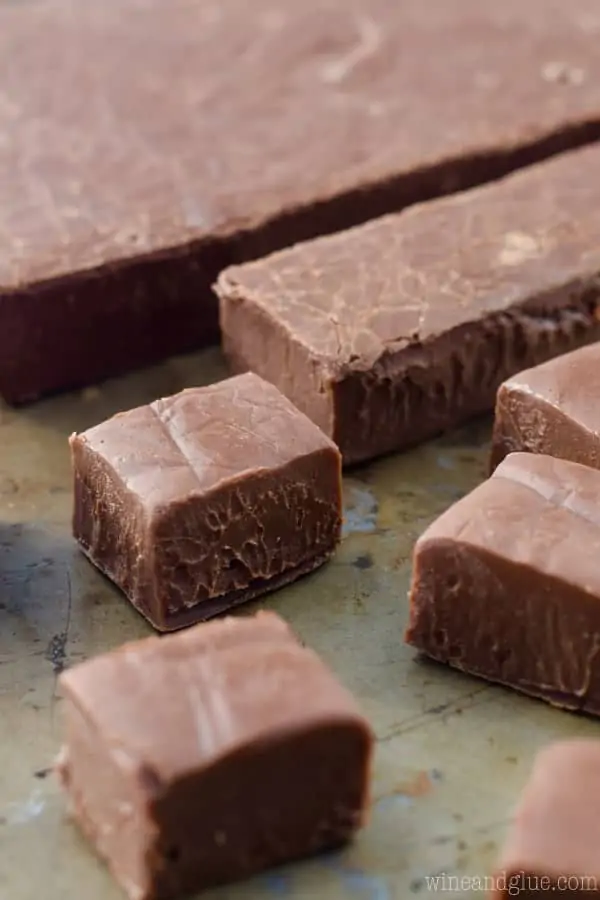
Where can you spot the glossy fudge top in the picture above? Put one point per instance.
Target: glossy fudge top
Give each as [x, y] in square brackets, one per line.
[539, 512]
[206, 117]
[570, 383]
[353, 297]
[178, 702]
[557, 825]
[204, 438]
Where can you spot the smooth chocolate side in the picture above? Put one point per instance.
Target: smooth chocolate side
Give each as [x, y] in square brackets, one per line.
[283, 822]
[552, 841]
[187, 759]
[107, 801]
[83, 328]
[505, 585]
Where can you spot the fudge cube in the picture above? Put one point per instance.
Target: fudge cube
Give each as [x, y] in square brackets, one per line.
[506, 583]
[552, 846]
[553, 408]
[204, 500]
[208, 755]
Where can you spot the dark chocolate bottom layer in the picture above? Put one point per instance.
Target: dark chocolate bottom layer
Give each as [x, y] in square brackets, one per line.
[89, 326]
[215, 606]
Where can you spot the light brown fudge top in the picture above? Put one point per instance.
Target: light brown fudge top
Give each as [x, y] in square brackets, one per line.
[203, 438]
[353, 297]
[165, 123]
[557, 825]
[178, 703]
[570, 383]
[536, 511]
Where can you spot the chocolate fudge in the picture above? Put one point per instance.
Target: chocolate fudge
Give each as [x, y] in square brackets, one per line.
[506, 583]
[207, 499]
[553, 408]
[552, 845]
[174, 139]
[209, 755]
[392, 332]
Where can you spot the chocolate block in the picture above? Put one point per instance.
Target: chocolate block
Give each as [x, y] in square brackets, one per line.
[209, 755]
[506, 583]
[552, 846]
[207, 499]
[196, 140]
[390, 333]
[553, 409]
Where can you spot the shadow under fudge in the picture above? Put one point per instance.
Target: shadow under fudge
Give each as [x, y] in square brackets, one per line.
[110, 259]
[207, 499]
[506, 583]
[392, 332]
[210, 755]
[553, 409]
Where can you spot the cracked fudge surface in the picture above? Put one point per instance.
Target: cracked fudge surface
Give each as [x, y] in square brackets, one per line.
[552, 842]
[206, 756]
[206, 499]
[553, 409]
[506, 583]
[393, 331]
[197, 139]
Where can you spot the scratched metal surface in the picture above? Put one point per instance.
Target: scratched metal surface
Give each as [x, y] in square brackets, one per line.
[452, 752]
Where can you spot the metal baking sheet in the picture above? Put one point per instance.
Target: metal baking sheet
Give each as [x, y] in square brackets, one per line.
[452, 752]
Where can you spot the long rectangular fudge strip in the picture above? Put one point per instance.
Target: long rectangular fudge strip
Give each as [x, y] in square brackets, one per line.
[506, 583]
[205, 500]
[552, 844]
[392, 332]
[196, 140]
[553, 409]
[212, 754]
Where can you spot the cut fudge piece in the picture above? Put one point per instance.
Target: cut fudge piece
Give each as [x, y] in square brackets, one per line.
[208, 755]
[506, 583]
[206, 499]
[197, 139]
[389, 333]
[553, 408]
[552, 846]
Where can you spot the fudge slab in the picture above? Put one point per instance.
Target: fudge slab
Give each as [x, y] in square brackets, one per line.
[206, 756]
[552, 845]
[506, 583]
[394, 331]
[207, 499]
[553, 409]
[176, 138]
